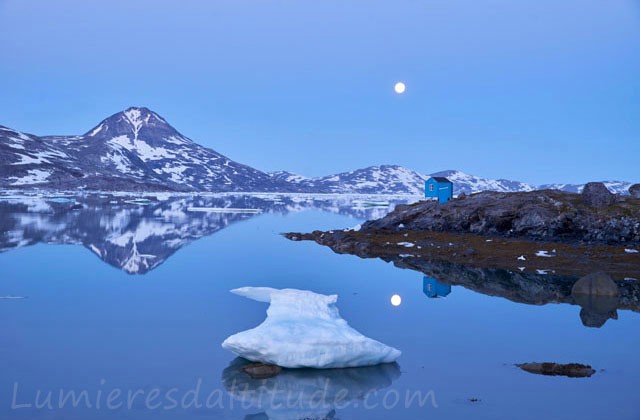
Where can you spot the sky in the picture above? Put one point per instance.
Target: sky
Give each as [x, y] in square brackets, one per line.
[539, 91]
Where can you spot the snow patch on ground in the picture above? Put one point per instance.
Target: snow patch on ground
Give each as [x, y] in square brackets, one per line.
[406, 244]
[35, 176]
[544, 254]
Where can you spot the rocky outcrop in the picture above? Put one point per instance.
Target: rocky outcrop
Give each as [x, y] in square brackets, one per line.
[634, 190]
[540, 215]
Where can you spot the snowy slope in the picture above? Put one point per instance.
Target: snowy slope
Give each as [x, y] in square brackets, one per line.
[385, 179]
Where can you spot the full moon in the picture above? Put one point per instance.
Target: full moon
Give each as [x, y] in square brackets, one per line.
[396, 300]
[399, 88]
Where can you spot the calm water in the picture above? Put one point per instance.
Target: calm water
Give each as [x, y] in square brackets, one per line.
[133, 300]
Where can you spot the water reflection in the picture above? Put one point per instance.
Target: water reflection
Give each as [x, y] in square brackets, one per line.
[138, 234]
[532, 289]
[597, 310]
[305, 393]
[434, 289]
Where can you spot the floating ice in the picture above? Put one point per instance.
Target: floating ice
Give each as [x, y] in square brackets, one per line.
[304, 329]
[223, 210]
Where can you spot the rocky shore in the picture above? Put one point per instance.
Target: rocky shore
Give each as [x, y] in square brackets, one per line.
[594, 216]
[536, 248]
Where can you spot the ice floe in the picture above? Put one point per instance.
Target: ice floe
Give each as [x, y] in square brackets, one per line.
[223, 210]
[305, 329]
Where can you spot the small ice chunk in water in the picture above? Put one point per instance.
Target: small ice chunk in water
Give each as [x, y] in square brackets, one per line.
[304, 329]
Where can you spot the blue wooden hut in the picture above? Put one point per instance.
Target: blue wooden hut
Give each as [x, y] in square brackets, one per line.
[438, 187]
[433, 288]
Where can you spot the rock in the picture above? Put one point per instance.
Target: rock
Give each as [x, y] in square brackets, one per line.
[596, 284]
[634, 190]
[572, 370]
[596, 194]
[261, 370]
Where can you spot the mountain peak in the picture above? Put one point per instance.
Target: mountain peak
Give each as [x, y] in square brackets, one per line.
[130, 121]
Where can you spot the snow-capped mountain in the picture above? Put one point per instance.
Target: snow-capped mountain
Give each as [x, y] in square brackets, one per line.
[134, 149]
[385, 179]
[138, 150]
[468, 184]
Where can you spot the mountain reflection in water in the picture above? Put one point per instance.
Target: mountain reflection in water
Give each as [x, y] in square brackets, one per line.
[137, 235]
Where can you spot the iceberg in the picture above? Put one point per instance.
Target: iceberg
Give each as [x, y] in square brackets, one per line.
[304, 329]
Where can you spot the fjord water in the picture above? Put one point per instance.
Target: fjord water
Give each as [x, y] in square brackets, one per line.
[89, 323]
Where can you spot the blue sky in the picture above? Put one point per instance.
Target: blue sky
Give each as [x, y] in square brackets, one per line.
[534, 90]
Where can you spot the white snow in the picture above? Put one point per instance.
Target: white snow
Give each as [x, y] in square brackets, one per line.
[96, 130]
[356, 228]
[28, 160]
[544, 254]
[145, 151]
[35, 176]
[304, 329]
[522, 258]
[631, 251]
[407, 244]
[522, 268]
[543, 272]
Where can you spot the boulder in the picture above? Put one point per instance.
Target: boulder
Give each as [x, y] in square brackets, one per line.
[634, 190]
[596, 194]
[595, 284]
